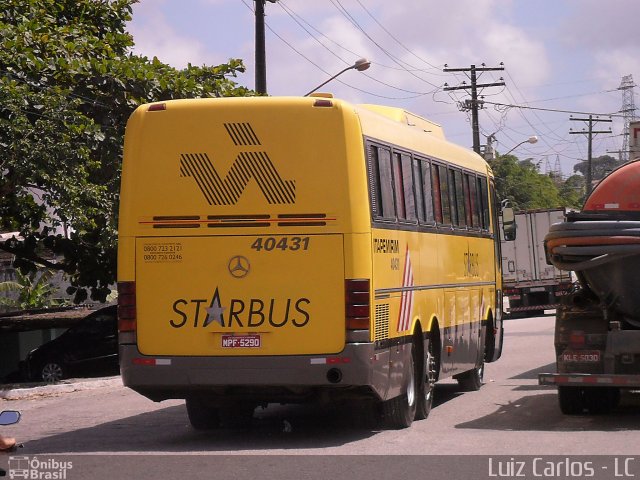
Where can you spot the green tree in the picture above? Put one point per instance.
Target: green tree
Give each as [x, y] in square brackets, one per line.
[572, 191]
[521, 184]
[68, 83]
[600, 166]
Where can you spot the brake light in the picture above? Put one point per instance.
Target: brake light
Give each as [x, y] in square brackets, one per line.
[126, 306]
[358, 304]
[577, 339]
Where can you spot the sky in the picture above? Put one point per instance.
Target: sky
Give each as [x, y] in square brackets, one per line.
[567, 55]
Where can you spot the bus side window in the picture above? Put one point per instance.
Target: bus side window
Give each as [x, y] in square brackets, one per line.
[398, 187]
[417, 188]
[444, 194]
[407, 183]
[457, 198]
[384, 182]
[437, 202]
[473, 197]
[484, 202]
[452, 197]
[428, 194]
[467, 199]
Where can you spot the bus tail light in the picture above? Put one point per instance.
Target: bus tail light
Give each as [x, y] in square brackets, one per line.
[358, 304]
[126, 306]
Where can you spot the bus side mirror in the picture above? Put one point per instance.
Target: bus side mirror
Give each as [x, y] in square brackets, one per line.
[9, 417]
[508, 224]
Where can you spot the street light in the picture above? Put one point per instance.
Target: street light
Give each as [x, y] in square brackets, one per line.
[360, 65]
[532, 139]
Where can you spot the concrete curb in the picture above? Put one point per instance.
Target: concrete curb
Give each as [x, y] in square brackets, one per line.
[68, 386]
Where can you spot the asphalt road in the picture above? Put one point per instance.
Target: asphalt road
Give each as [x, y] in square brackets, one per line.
[115, 429]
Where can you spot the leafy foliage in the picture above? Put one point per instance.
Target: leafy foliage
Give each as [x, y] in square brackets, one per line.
[522, 185]
[68, 84]
[600, 166]
[572, 191]
[34, 291]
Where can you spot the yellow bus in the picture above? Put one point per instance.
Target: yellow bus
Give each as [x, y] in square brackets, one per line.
[302, 249]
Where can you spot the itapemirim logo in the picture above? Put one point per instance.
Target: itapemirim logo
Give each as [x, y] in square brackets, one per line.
[248, 165]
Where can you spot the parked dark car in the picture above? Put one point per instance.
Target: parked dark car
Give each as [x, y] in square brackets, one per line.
[88, 348]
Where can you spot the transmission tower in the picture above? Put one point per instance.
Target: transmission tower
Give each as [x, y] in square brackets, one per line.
[557, 170]
[628, 111]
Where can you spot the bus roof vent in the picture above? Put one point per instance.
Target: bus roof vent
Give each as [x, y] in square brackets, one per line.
[322, 95]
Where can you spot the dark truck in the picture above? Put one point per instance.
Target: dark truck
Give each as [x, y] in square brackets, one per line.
[597, 333]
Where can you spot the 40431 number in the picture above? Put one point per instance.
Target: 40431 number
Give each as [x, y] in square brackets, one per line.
[284, 243]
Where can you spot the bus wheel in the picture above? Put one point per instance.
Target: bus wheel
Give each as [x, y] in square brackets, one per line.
[201, 415]
[239, 415]
[427, 385]
[472, 380]
[400, 411]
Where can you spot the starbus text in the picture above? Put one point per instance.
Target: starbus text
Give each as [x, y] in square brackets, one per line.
[252, 313]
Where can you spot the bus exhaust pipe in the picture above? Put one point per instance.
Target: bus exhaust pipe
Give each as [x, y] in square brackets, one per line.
[334, 375]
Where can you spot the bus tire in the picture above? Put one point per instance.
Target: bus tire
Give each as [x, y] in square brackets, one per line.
[238, 415]
[471, 380]
[400, 411]
[427, 385]
[201, 415]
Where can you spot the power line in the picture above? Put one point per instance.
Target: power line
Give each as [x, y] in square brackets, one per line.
[291, 14]
[553, 110]
[399, 62]
[395, 38]
[283, 40]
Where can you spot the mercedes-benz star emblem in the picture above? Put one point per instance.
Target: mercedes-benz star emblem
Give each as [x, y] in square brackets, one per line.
[239, 266]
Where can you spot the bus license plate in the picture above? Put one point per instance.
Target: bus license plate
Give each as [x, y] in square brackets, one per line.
[584, 356]
[241, 341]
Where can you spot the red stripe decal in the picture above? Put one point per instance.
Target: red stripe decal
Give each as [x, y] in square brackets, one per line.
[406, 303]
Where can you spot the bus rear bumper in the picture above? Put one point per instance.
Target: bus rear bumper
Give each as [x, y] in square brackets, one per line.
[280, 378]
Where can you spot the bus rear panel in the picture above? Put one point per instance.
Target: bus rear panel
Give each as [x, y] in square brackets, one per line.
[236, 231]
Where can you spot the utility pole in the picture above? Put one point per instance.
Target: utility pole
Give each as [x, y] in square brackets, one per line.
[261, 60]
[474, 105]
[590, 133]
